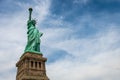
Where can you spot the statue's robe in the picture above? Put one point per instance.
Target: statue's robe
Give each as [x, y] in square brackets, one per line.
[33, 44]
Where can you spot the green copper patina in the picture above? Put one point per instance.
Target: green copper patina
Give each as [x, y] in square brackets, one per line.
[33, 43]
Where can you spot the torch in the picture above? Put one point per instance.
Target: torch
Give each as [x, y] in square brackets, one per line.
[30, 13]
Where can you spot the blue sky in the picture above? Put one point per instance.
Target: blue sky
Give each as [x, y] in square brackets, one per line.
[81, 37]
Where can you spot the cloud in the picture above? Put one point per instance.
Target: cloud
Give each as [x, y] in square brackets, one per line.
[100, 54]
[40, 7]
[90, 57]
[93, 57]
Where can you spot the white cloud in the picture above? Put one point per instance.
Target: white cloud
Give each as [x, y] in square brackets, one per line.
[95, 58]
[98, 68]
[101, 55]
[40, 8]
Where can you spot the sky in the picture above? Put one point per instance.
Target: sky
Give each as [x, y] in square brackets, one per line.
[80, 37]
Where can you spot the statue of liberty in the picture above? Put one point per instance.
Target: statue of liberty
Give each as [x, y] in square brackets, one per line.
[33, 34]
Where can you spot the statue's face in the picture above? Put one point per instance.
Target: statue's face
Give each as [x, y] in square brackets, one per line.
[34, 22]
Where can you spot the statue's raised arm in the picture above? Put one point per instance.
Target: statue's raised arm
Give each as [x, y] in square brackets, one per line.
[30, 13]
[33, 43]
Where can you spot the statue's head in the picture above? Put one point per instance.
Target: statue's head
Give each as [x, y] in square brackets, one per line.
[33, 22]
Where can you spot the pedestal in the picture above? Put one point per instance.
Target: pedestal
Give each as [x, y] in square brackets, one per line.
[31, 66]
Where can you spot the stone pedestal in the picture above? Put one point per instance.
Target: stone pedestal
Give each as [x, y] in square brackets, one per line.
[31, 66]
